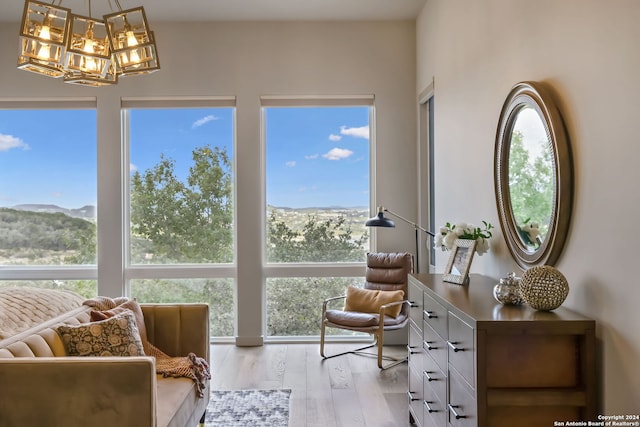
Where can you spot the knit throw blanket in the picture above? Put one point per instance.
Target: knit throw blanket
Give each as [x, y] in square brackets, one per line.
[191, 366]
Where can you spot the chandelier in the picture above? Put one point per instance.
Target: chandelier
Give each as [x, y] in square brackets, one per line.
[84, 50]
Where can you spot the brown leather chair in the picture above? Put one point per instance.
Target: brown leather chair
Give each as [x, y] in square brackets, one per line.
[385, 272]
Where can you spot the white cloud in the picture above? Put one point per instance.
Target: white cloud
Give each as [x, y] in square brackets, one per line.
[361, 132]
[132, 168]
[307, 189]
[334, 137]
[311, 156]
[291, 163]
[204, 120]
[7, 142]
[57, 194]
[337, 154]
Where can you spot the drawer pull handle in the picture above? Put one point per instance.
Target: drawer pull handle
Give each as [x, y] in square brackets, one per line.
[429, 408]
[453, 346]
[430, 346]
[411, 398]
[410, 349]
[430, 315]
[454, 412]
[413, 304]
[429, 377]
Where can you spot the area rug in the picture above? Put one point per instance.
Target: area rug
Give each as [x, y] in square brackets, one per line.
[248, 408]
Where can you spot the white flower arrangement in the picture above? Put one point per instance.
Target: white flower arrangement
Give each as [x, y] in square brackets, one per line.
[530, 233]
[448, 234]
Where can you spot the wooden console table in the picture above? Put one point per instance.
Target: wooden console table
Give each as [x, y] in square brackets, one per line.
[476, 362]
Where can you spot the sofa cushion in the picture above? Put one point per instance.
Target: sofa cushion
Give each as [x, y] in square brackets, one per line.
[137, 312]
[115, 336]
[370, 301]
[180, 404]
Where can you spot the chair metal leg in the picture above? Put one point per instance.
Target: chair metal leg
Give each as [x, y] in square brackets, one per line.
[322, 342]
[360, 351]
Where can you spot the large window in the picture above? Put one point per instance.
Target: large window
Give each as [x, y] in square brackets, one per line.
[317, 183]
[48, 194]
[181, 185]
[317, 159]
[181, 211]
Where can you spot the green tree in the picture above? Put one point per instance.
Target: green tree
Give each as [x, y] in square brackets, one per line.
[175, 221]
[530, 184]
[190, 220]
[294, 304]
[330, 240]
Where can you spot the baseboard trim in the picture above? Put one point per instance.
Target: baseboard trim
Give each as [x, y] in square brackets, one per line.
[249, 341]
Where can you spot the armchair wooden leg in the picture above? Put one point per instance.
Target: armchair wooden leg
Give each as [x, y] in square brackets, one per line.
[322, 332]
[395, 361]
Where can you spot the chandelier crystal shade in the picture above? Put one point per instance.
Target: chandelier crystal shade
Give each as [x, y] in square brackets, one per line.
[84, 50]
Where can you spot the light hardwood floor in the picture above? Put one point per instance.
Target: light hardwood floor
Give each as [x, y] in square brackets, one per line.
[347, 391]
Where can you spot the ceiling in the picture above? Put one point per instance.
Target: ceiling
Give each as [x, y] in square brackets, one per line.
[238, 10]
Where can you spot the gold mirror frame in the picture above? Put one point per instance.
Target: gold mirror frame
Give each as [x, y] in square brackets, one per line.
[536, 96]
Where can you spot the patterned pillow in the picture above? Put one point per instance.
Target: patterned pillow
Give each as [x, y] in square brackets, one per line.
[137, 311]
[116, 336]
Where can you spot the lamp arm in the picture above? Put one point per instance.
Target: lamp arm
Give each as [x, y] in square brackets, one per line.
[416, 226]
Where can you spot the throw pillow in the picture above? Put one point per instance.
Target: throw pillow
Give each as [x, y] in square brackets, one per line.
[137, 311]
[369, 300]
[116, 336]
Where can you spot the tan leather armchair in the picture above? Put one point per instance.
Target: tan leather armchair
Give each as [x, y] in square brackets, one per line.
[385, 272]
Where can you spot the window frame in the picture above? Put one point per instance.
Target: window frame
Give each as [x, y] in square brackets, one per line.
[309, 269]
[176, 271]
[53, 272]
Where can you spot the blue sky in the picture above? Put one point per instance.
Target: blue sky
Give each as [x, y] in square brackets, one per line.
[317, 156]
[48, 157]
[314, 156]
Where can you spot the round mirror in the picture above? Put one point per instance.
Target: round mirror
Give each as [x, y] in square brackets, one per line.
[533, 176]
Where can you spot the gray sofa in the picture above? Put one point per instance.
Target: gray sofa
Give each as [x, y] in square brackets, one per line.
[41, 386]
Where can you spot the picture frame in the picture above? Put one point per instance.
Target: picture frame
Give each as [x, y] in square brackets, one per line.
[457, 270]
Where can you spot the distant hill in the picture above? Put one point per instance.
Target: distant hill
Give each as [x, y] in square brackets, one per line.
[85, 212]
[52, 231]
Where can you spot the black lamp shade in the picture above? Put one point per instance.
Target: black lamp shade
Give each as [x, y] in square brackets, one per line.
[380, 221]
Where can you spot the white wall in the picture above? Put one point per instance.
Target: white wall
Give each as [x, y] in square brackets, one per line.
[587, 51]
[249, 59]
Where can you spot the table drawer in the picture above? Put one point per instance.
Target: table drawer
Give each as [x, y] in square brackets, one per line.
[435, 378]
[415, 299]
[414, 349]
[434, 396]
[435, 346]
[462, 408]
[435, 314]
[414, 396]
[461, 347]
